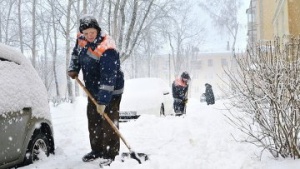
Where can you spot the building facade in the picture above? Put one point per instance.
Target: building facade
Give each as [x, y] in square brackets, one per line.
[286, 18]
[211, 68]
[268, 19]
[203, 68]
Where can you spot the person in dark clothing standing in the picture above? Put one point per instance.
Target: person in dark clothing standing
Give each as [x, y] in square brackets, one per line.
[209, 94]
[180, 88]
[96, 55]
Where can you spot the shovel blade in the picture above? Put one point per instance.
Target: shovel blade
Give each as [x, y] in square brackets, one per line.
[137, 156]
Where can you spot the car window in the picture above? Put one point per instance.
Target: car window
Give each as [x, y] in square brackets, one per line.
[13, 84]
[3, 59]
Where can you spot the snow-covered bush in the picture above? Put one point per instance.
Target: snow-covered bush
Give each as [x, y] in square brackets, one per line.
[266, 86]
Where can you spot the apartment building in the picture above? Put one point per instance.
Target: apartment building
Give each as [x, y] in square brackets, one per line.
[260, 16]
[286, 18]
[207, 67]
[210, 68]
[270, 18]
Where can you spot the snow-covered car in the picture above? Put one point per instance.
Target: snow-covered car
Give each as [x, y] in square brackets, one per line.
[26, 133]
[146, 96]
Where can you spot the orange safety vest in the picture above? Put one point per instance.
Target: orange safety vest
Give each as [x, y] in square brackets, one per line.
[107, 43]
[179, 82]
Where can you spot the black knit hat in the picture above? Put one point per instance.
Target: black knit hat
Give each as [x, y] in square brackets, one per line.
[88, 21]
[185, 75]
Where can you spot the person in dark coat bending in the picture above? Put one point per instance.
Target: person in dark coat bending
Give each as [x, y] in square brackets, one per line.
[95, 54]
[180, 88]
[209, 94]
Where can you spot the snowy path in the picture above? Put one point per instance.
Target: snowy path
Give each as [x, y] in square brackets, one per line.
[200, 140]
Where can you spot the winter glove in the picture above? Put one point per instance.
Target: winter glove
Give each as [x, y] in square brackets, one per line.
[185, 101]
[72, 74]
[100, 109]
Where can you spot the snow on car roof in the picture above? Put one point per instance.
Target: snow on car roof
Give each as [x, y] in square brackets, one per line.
[20, 85]
[10, 53]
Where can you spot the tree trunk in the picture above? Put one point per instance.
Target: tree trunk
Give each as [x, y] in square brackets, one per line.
[84, 7]
[54, 52]
[68, 51]
[116, 20]
[20, 26]
[109, 16]
[33, 47]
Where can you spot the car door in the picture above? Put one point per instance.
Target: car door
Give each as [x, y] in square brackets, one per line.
[13, 128]
[13, 118]
[168, 100]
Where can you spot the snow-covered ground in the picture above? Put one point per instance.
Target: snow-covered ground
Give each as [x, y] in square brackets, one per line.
[200, 140]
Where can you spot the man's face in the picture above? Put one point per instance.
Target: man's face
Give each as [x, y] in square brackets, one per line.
[186, 81]
[90, 34]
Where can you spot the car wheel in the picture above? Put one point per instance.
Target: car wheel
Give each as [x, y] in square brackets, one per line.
[162, 110]
[38, 148]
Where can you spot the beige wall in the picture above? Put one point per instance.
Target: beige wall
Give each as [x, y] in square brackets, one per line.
[204, 68]
[280, 18]
[265, 11]
[294, 17]
[210, 69]
[276, 18]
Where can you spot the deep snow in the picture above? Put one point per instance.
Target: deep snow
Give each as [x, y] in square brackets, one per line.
[200, 140]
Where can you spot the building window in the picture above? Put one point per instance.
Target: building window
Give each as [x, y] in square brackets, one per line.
[197, 65]
[224, 62]
[210, 62]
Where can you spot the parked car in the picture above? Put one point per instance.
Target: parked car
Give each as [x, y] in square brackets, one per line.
[146, 96]
[26, 133]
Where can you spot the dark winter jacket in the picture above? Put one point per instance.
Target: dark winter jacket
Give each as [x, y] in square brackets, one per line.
[179, 90]
[209, 94]
[100, 65]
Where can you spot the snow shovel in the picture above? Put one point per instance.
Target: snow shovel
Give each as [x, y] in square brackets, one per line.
[137, 156]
